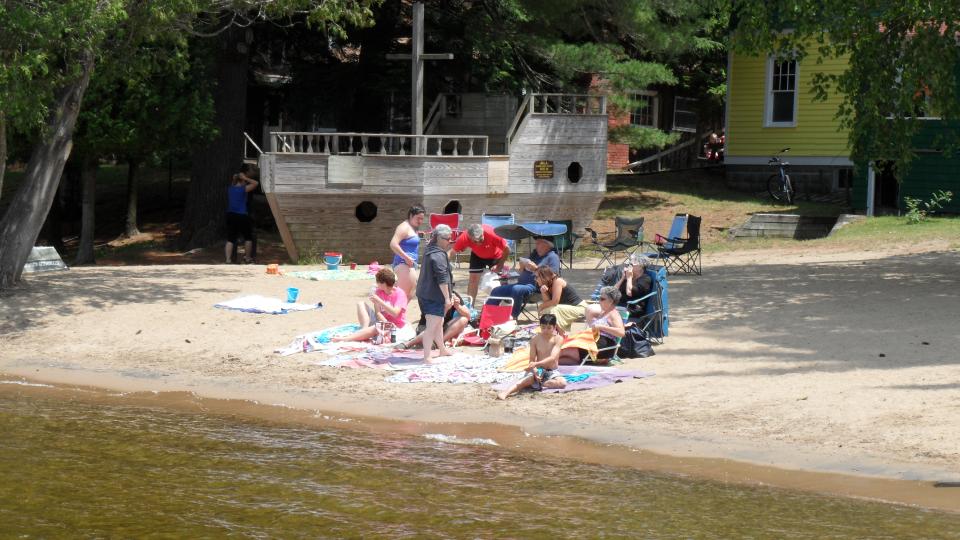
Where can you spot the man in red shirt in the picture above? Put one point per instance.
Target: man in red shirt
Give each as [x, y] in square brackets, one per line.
[487, 250]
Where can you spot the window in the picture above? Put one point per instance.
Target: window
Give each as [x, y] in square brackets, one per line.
[844, 179]
[685, 114]
[365, 212]
[574, 172]
[782, 94]
[646, 112]
[453, 207]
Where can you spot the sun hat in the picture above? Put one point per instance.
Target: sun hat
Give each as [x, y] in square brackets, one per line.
[547, 239]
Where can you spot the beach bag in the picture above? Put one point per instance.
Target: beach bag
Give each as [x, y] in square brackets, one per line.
[489, 281]
[635, 343]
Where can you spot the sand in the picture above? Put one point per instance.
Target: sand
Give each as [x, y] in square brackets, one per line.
[828, 360]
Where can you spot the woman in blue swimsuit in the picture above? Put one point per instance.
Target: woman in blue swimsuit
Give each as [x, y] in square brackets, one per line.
[405, 245]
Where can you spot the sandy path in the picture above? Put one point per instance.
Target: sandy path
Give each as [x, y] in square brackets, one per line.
[828, 360]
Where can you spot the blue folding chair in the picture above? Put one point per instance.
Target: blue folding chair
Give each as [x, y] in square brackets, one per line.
[677, 230]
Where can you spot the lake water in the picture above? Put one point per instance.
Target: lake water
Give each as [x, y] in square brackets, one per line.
[80, 468]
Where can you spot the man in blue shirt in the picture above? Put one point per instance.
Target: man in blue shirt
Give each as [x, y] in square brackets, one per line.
[542, 255]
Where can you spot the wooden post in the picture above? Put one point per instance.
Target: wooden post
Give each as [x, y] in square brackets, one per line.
[416, 58]
[416, 95]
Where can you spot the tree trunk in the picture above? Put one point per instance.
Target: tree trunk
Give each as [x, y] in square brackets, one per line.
[87, 222]
[131, 225]
[203, 221]
[3, 150]
[29, 207]
[52, 231]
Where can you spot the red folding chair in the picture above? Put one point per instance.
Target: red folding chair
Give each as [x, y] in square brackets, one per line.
[452, 221]
[491, 315]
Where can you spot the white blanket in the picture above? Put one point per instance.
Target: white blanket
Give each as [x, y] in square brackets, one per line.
[264, 304]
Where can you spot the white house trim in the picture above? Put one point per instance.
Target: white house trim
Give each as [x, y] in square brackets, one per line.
[768, 97]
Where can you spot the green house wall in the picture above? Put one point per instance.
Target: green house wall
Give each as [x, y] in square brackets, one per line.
[930, 171]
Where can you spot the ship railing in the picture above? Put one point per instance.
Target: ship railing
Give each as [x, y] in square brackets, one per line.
[248, 143]
[582, 104]
[555, 104]
[383, 144]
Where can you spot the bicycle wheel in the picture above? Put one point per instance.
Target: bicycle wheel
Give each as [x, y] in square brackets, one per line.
[775, 189]
[789, 192]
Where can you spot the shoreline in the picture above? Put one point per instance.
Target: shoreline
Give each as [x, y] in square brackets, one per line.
[831, 361]
[867, 478]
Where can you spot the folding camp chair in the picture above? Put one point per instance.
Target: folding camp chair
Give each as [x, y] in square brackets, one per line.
[615, 347]
[677, 227]
[655, 318]
[529, 310]
[492, 314]
[629, 237]
[682, 254]
[450, 220]
[495, 220]
[566, 242]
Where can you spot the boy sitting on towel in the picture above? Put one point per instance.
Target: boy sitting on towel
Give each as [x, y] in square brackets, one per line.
[544, 360]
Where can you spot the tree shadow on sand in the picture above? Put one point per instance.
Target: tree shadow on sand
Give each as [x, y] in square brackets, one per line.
[59, 293]
[889, 313]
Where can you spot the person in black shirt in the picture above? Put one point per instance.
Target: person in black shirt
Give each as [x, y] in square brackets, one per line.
[634, 283]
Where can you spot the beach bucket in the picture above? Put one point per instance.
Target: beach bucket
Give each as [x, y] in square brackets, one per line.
[292, 294]
[273, 269]
[332, 258]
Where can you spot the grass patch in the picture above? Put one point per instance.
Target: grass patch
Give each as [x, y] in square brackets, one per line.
[704, 193]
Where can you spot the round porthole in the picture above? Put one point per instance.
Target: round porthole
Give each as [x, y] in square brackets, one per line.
[366, 212]
[453, 207]
[574, 172]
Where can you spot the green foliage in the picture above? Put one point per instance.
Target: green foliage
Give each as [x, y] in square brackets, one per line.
[918, 211]
[642, 137]
[134, 42]
[903, 63]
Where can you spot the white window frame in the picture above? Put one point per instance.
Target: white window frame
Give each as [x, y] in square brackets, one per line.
[654, 105]
[768, 95]
[676, 107]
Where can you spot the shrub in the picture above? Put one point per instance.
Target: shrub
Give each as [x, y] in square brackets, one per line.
[918, 211]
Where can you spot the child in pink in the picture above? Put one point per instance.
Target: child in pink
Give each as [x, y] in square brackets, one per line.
[388, 303]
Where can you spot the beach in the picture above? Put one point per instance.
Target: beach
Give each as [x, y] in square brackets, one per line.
[827, 361]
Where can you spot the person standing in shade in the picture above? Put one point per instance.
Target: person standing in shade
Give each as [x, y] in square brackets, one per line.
[405, 245]
[239, 224]
[487, 250]
[542, 254]
[433, 291]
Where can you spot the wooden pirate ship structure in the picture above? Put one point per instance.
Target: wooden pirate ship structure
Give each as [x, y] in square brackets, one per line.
[539, 158]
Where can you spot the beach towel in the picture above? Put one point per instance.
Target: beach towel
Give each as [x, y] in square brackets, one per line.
[582, 340]
[585, 378]
[457, 369]
[315, 341]
[264, 304]
[331, 275]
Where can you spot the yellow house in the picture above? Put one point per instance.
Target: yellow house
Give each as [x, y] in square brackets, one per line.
[770, 106]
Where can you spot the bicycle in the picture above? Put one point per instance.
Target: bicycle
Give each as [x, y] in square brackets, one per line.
[779, 186]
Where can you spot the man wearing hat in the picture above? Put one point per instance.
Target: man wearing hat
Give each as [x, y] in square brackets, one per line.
[543, 254]
[487, 250]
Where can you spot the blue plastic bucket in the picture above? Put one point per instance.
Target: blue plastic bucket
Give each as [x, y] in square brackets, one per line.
[292, 294]
[332, 258]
